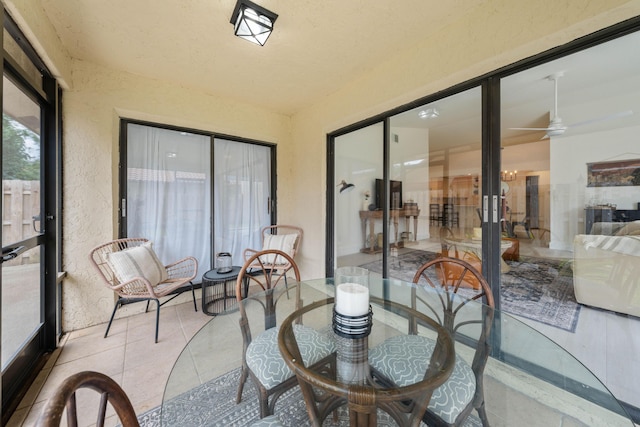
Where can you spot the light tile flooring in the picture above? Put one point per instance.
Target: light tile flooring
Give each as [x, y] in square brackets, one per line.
[128, 355]
[606, 343]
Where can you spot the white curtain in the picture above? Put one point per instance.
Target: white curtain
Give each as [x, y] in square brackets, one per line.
[169, 192]
[242, 185]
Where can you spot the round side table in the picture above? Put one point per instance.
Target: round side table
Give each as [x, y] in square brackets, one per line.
[219, 291]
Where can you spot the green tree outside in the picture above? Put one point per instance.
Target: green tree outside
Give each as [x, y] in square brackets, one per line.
[16, 162]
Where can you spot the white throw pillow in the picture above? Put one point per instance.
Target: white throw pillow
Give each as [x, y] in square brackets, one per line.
[282, 242]
[139, 261]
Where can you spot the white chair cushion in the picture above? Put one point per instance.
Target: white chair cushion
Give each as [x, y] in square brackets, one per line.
[404, 359]
[139, 261]
[281, 242]
[265, 361]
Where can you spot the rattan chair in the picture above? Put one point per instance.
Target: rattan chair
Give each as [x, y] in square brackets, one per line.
[171, 280]
[469, 324]
[259, 317]
[286, 238]
[65, 398]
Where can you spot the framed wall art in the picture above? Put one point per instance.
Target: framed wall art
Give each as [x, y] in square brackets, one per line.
[613, 174]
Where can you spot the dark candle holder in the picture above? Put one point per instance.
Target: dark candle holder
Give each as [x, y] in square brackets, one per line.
[352, 326]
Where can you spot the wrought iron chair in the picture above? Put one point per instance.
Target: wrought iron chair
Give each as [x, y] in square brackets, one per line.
[65, 398]
[130, 268]
[261, 359]
[469, 324]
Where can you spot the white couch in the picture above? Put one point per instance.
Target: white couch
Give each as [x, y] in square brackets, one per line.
[606, 272]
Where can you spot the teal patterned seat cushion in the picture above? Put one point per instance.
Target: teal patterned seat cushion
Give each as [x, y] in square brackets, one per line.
[265, 361]
[404, 360]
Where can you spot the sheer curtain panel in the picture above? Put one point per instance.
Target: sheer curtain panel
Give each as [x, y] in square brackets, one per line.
[169, 192]
[242, 189]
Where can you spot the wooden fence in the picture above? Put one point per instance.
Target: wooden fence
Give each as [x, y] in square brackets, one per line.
[20, 204]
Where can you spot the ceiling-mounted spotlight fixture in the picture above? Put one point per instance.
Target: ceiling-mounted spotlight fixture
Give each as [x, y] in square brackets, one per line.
[344, 187]
[429, 113]
[252, 22]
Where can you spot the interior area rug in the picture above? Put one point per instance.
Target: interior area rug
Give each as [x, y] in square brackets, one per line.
[214, 404]
[534, 288]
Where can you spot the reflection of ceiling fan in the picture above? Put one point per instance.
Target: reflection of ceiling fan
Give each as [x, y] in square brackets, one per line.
[556, 126]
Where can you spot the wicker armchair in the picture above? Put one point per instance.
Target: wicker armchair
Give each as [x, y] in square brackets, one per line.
[144, 278]
[64, 398]
[286, 238]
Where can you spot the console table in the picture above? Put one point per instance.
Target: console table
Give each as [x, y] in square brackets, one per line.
[607, 213]
[370, 217]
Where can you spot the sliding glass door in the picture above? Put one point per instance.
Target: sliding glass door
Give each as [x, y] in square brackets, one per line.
[414, 196]
[435, 156]
[571, 180]
[242, 196]
[359, 164]
[536, 171]
[192, 194]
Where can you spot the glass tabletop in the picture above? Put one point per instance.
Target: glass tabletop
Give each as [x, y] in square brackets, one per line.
[527, 379]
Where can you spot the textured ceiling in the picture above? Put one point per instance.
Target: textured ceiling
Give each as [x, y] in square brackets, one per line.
[316, 46]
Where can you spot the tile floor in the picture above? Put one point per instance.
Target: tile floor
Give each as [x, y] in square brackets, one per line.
[128, 355]
[606, 343]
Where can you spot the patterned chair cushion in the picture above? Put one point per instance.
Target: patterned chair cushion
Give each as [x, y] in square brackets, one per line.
[404, 360]
[265, 361]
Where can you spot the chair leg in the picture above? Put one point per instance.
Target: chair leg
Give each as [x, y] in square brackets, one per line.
[264, 402]
[157, 317]
[482, 413]
[243, 379]
[113, 313]
[286, 284]
[193, 292]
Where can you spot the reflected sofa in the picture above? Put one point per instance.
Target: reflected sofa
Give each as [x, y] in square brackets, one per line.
[606, 268]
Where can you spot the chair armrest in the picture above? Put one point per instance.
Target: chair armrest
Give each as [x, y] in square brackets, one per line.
[138, 287]
[186, 268]
[248, 253]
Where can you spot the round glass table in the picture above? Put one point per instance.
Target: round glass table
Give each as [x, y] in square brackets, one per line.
[527, 379]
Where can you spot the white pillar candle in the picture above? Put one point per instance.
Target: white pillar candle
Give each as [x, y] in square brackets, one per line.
[352, 299]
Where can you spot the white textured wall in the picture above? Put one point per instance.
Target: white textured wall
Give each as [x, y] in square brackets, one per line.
[500, 33]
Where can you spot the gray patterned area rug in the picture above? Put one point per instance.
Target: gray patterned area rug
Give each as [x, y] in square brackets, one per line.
[214, 404]
[535, 288]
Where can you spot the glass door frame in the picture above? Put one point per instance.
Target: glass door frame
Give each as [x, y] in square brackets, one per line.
[26, 364]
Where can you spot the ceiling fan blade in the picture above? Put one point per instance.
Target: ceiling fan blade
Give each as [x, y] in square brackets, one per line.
[528, 128]
[603, 118]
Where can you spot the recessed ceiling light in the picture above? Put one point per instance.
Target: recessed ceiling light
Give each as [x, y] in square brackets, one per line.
[429, 113]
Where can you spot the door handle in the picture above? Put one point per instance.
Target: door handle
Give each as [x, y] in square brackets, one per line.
[33, 221]
[11, 252]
